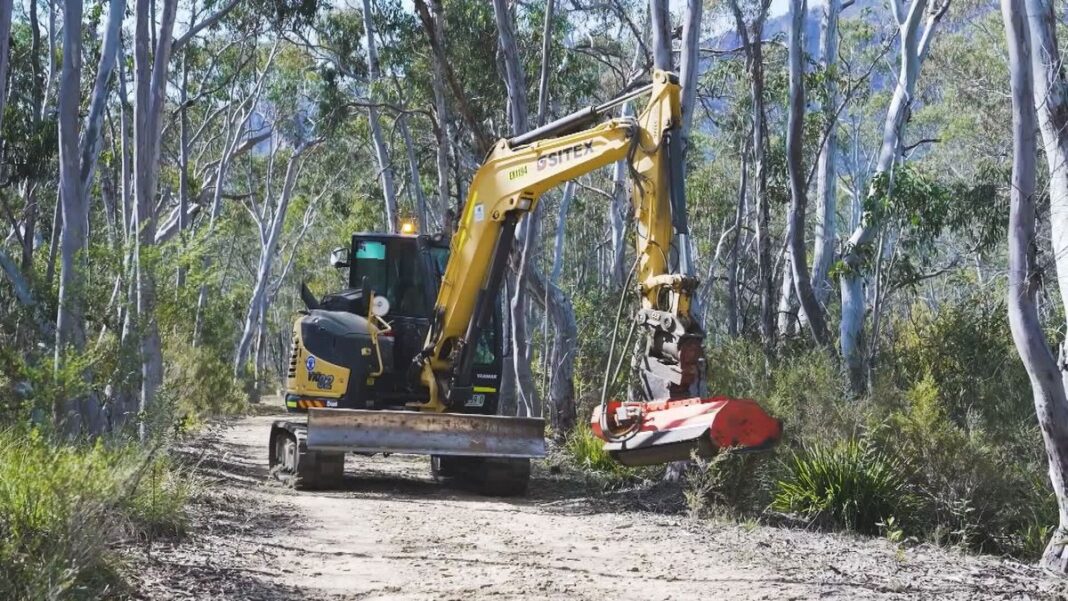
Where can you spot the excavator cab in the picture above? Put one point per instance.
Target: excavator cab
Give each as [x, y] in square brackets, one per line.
[392, 282]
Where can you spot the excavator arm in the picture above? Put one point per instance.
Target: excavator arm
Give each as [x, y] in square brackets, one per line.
[665, 420]
[509, 184]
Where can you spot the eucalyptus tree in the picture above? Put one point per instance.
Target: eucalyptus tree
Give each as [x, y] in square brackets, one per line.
[751, 33]
[827, 171]
[1050, 97]
[795, 232]
[916, 25]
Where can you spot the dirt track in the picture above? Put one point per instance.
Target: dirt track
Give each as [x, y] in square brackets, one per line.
[393, 533]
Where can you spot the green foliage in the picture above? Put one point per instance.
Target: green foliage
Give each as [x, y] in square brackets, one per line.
[202, 382]
[971, 490]
[847, 485]
[62, 506]
[585, 451]
[965, 352]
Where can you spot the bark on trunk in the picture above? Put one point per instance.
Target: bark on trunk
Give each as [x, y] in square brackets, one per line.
[150, 80]
[795, 232]
[546, 53]
[1051, 101]
[516, 84]
[441, 111]
[661, 24]
[752, 41]
[92, 139]
[826, 170]
[1045, 371]
[70, 319]
[5, 47]
[562, 413]
[417, 196]
[733, 313]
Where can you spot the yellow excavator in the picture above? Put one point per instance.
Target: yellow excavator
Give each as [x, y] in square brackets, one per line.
[408, 358]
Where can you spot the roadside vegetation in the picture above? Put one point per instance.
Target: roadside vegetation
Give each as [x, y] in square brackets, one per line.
[944, 449]
[70, 504]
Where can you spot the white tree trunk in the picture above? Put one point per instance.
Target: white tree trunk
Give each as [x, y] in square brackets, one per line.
[661, 24]
[94, 121]
[913, 49]
[150, 80]
[546, 52]
[795, 231]
[5, 55]
[689, 67]
[752, 38]
[786, 313]
[1051, 102]
[620, 206]
[826, 171]
[70, 319]
[441, 111]
[257, 304]
[416, 187]
[385, 167]
[516, 85]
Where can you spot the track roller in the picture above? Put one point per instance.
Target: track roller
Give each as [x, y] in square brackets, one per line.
[294, 465]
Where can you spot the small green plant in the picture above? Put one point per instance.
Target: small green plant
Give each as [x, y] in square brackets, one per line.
[586, 452]
[849, 485]
[891, 530]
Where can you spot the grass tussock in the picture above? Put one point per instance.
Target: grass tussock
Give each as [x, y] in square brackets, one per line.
[65, 507]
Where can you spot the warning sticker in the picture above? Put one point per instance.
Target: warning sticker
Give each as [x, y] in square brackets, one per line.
[480, 213]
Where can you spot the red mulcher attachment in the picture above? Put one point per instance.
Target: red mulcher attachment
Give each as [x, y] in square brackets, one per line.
[670, 430]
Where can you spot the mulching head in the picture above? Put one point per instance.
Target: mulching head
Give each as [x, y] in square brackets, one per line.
[655, 432]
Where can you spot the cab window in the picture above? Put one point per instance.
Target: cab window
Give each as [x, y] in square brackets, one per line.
[391, 269]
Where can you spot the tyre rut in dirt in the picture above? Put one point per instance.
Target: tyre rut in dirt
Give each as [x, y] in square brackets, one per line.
[297, 467]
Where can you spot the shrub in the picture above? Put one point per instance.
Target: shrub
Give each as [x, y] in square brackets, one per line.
[805, 389]
[971, 490]
[848, 485]
[586, 452]
[202, 382]
[63, 505]
[732, 483]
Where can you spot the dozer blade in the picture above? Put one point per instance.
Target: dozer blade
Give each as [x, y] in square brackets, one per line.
[672, 430]
[416, 433]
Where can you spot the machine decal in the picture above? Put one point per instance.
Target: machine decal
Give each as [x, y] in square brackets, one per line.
[517, 173]
[476, 400]
[564, 155]
[322, 381]
[480, 213]
[484, 389]
[310, 364]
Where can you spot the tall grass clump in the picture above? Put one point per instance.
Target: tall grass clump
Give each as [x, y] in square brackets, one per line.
[64, 507]
[586, 452]
[848, 485]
